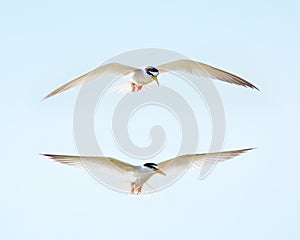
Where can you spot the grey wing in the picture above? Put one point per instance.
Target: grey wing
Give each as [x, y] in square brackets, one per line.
[106, 165]
[204, 70]
[189, 162]
[110, 69]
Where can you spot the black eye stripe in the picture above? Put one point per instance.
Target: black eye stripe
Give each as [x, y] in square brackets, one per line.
[150, 73]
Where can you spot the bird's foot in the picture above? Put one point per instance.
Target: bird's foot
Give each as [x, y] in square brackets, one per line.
[132, 188]
[139, 190]
[133, 87]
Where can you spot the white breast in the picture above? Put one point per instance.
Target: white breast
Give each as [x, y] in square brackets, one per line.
[140, 77]
[142, 175]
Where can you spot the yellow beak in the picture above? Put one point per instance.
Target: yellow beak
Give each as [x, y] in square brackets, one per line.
[160, 172]
[155, 79]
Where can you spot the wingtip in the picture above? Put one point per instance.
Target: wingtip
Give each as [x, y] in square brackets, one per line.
[48, 96]
[51, 156]
[249, 149]
[44, 154]
[249, 85]
[44, 98]
[254, 87]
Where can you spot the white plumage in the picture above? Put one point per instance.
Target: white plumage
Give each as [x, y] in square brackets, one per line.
[140, 77]
[135, 177]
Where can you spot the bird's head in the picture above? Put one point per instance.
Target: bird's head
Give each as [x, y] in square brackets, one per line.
[153, 72]
[154, 167]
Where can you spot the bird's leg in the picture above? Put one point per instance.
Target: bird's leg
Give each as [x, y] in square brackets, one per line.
[139, 190]
[139, 88]
[132, 188]
[133, 87]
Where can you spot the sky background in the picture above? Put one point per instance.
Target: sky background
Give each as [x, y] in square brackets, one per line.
[45, 44]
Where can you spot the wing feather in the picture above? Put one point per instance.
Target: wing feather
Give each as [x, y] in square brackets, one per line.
[203, 70]
[105, 165]
[189, 162]
[110, 69]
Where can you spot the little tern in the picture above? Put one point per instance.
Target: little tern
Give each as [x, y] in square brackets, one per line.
[140, 77]
[136, 176]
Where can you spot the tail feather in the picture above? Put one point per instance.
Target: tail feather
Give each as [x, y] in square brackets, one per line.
[121, 88]
[126, 87]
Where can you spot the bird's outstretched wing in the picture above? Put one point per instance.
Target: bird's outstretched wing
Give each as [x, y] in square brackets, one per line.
[189, 162]
[203, 70]
[105, 165]
[110, 69]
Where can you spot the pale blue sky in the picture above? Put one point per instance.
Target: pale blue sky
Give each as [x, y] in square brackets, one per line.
[44, 44]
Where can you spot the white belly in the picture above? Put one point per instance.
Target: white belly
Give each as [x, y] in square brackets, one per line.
[141, 78]
[141, 176]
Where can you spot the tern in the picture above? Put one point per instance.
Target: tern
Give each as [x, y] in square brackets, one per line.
[136, 176]
[140, 77]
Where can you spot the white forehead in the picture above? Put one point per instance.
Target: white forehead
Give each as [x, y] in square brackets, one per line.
[154, 73]
[153, 70]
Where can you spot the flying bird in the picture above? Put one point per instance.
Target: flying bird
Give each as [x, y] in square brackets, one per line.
[135, 177]
[140, 77]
